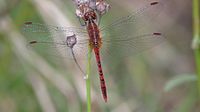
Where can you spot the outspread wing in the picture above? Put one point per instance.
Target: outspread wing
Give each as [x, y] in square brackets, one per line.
[51, 40]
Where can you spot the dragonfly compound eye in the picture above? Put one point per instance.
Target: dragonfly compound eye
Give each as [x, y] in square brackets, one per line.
[71, 40]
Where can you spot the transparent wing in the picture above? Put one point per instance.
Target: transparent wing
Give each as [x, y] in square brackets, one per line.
[51, 40]
[139, 19]
[132, 34]
[130, 45]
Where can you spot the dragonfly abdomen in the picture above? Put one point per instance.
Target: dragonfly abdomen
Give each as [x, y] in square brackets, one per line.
[101, 75]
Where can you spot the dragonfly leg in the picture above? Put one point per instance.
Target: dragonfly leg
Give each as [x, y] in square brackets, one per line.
[82, 23]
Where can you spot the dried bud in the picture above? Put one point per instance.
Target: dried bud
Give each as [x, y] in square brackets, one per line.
[92, 4]
[80, 2]
[102, 6]
[82, 9]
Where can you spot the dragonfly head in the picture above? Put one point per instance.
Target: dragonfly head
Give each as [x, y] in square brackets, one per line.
[71, 41]
[91, 15]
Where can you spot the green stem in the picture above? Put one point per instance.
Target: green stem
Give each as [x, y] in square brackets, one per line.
[196, 39]
[88, 85]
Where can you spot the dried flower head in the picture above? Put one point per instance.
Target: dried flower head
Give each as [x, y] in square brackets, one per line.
[84, 6]
[102, 6]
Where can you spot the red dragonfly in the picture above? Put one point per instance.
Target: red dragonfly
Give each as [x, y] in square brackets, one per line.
[130, 34]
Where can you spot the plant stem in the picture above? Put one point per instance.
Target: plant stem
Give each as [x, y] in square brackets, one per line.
[88, 85]
[196, 39]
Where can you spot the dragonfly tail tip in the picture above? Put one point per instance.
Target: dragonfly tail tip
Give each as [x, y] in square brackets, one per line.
[105, 99]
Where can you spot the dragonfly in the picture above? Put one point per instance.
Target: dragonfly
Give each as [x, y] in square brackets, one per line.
[130, 35]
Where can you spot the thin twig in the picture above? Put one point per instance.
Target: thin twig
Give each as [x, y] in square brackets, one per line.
[88, 85]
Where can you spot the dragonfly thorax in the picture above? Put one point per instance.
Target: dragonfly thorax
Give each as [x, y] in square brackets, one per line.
[91, 15]
[71, 40]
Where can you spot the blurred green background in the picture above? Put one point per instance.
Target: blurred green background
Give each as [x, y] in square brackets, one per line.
[159, 80]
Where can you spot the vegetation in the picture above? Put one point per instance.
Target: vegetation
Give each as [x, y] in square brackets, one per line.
[163, 79]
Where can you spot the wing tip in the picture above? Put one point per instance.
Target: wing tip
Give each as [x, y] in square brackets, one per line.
[154, 3]
[28, 23]
[33, 42]
[157, 33]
